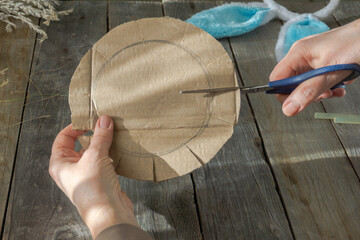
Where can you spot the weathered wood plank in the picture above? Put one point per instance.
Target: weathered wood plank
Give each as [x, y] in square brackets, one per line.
[347, 11]
[166, 210]
[16, 53]
[236, 191]
[298, 6]
[149, 1]
[122, 12]
[318, 185]
[348, 134]
[37, 207]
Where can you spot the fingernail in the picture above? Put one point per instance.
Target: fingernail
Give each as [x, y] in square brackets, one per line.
[105, 121]
[291, 108]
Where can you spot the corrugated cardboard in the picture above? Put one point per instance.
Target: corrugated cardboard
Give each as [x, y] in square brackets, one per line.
[134, 74]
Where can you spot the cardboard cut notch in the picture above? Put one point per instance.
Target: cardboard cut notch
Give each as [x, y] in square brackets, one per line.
[135, 74]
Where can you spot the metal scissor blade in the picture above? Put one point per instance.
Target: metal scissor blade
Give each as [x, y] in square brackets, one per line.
[243, 90]
[254, 89]
[211, 90]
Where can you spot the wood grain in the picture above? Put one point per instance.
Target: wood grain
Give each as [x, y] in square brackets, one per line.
[349, 134]
[37, 207]
[347, 11]
[166, 210]
[318, 184]
[236, 192]
[16, 53]
[122, 12]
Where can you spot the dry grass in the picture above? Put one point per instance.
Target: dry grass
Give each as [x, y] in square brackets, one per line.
[23, 10]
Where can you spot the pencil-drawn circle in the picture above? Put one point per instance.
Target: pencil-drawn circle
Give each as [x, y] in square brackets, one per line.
[207, 115]
[134, 74]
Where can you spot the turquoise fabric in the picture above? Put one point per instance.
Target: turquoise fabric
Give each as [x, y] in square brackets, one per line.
[302, 28]
[230, 19]
[234, 19]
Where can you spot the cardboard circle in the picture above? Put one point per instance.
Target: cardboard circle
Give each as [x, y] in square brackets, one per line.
[135, 74]
[165, 91]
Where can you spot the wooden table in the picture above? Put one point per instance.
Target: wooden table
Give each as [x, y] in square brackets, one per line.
[276, 178]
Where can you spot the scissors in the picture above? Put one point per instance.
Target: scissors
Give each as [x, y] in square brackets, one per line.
[287, 85]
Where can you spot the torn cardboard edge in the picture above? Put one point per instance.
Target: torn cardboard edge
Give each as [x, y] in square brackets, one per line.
[150, 35]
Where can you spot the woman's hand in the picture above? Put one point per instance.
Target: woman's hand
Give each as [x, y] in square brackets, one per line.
[89, 179]
[338, 46]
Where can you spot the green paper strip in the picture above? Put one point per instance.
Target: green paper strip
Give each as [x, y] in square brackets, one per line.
[339, 118]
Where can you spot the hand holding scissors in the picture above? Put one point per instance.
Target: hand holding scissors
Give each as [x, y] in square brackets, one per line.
[287, 85]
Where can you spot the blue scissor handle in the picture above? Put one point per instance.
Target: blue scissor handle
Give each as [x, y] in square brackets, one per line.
[287, 85]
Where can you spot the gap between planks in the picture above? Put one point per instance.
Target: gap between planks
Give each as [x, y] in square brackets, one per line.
[333, 123]
[262, 144]
[19, 133]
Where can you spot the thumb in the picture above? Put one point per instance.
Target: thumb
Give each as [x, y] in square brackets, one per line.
[102, 137]
[310, 90]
